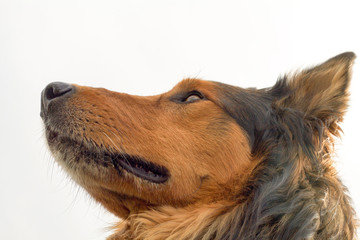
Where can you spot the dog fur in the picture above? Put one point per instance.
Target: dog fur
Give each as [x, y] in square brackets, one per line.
[208, 160]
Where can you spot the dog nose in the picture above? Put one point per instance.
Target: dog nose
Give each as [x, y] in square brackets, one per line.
[54, 91]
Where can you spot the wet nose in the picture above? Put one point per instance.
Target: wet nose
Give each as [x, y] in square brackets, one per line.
[54, 91]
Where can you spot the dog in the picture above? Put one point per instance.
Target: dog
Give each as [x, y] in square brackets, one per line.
[207, 160]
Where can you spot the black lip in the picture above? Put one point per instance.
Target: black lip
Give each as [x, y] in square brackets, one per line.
[141, 168]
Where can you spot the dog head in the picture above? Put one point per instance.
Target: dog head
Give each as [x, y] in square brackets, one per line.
[199, 143]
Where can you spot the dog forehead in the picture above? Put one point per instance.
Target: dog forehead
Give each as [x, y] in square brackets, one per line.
[194, 84]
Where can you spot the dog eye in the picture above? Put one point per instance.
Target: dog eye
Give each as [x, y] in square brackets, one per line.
[193, 96]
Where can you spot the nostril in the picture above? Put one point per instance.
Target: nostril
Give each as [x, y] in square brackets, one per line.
[56, 89]
[49, 93]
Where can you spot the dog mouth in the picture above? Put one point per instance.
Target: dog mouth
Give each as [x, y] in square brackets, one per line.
[140, 167]
[134, 165]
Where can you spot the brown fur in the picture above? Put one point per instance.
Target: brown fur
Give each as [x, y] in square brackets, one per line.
[237, 163]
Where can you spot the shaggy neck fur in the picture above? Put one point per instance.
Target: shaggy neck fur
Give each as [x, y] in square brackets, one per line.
[293, 193]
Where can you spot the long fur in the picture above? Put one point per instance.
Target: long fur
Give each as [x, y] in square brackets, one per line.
[278, 183]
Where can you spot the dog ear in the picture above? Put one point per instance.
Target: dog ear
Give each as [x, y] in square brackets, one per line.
[321, 91]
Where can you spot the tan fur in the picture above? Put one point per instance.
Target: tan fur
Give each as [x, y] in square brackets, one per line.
[242, 163]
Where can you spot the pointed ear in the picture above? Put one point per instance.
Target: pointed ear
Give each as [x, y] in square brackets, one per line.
[321, 91]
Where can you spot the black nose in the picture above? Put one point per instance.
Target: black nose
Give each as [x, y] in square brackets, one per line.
[54, 91]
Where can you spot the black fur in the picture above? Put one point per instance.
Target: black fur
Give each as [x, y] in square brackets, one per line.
[294, 192]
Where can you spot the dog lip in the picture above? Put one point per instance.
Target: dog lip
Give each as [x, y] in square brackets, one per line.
[141, 168]
[133, 164]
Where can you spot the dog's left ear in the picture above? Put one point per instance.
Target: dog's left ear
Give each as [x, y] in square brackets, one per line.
[321, 91]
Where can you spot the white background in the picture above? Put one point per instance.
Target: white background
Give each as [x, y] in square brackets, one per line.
[144, 47]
